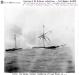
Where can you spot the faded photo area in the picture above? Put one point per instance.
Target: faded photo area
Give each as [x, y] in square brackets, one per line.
[39, 39]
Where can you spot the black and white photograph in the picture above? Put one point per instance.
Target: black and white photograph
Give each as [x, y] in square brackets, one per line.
[39, 39]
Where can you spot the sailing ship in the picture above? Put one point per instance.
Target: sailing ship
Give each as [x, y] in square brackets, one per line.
[44, 39]
[15, 45]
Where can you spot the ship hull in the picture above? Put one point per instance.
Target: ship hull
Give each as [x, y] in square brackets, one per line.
[49, 47]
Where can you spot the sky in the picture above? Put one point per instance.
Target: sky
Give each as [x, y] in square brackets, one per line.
[27, 23]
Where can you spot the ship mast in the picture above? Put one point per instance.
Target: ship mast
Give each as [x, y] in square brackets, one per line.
[43, 37]
[15, 40]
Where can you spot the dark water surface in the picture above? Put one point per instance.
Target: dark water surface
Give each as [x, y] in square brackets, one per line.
[40, 60]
